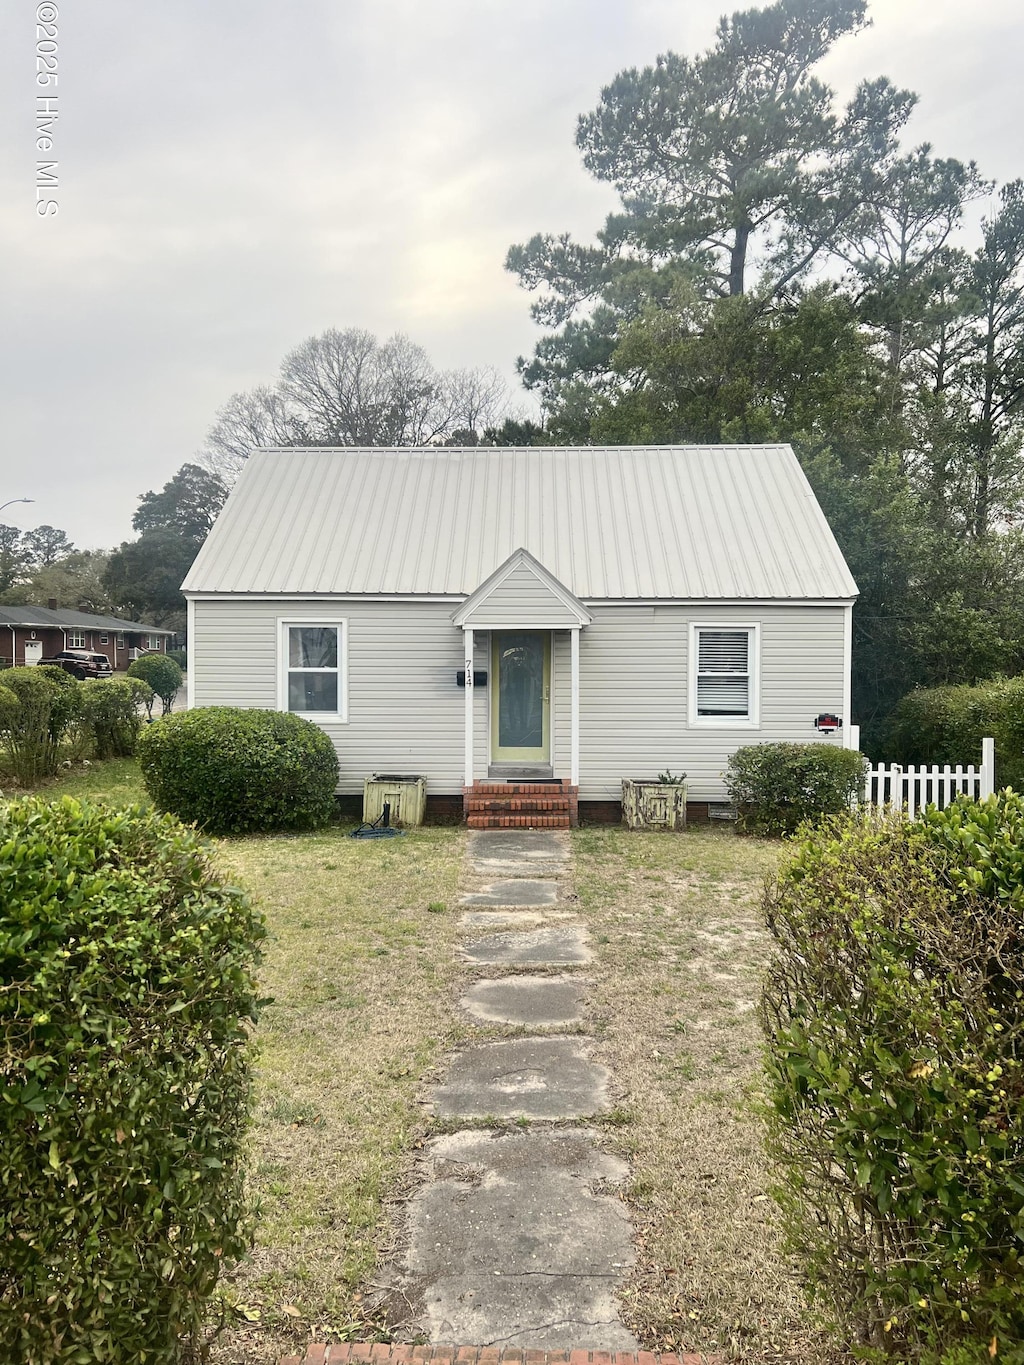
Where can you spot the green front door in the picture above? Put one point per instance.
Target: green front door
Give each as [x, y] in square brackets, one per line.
[520, 696]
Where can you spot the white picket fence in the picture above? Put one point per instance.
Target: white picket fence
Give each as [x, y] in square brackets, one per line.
[916, 788]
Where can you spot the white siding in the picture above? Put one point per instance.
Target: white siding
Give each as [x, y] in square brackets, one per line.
[633, 691]
[522, 599]
[406, 713]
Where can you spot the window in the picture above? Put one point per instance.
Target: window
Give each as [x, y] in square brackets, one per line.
[152, 641]
[313, 668]
[119, 641]
[76, 639]
[103, 639]
[724, 675]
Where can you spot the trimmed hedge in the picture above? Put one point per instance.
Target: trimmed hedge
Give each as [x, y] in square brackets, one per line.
[775, 787]
[111, 707]
[947, 724]
[894, 1015]
[236, 771]
[126, 979]
[30, 706]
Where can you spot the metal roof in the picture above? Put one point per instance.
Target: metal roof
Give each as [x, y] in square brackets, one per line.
[47, 617]
[622, 522]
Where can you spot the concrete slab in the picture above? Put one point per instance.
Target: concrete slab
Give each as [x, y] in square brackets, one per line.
[521, 891]
[532, 1078]
[556, 945]
[511, 916]
[518, 845]
[526, 1001]
[509, 1245]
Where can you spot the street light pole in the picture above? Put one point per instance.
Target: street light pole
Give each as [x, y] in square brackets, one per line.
[11, 501]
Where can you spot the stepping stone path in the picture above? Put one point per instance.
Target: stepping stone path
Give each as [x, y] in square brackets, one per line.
[516, 1239]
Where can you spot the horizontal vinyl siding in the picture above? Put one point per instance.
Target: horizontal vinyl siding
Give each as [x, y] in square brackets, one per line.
[405, 711]
[523, 600]
[634, 703]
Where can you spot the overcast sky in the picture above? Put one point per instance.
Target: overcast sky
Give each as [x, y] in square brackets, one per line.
[234, 177]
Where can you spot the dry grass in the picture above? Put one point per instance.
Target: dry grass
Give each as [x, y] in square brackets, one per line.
[676, 922]
[360, 964]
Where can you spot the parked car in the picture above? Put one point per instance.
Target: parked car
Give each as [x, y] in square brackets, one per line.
[81, 663]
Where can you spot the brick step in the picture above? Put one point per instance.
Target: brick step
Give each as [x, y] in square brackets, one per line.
[559, 821]
[507, 805]
[517, 788]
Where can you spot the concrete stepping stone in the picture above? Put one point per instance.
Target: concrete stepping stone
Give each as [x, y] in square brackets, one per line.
[521, 891]
[526, 1001]
[531, 1078]
[509, 1245]
[555, 945]
[518, 852]
[512, 917]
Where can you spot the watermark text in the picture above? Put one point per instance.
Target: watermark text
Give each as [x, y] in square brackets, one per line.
[47, 52]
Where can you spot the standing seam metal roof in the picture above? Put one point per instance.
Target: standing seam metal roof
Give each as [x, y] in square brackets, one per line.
[611, 523]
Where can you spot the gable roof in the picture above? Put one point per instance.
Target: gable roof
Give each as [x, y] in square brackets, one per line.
[624, 522]
[525, 585]
[44, 618]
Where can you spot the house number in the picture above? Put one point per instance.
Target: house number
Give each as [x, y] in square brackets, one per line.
[469, 672]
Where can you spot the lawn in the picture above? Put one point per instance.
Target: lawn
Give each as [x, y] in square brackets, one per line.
[363, 974]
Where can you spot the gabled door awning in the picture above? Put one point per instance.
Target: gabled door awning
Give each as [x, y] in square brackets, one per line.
[521, 593]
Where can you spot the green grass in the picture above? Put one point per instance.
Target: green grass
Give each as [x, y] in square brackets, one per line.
[117, 780]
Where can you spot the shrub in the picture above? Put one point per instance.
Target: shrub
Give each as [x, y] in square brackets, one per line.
[26, 722]
[947, 725]
[126, 978]
[67, 725]
[111, 707]
[894, 1014]
[233, 770]
[162, 674]
[180, 657]
[775, 787]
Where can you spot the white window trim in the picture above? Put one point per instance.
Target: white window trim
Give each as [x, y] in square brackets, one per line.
[76, 639]
[753, 720]
[339, 717]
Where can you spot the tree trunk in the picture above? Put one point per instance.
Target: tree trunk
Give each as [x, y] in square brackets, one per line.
[738, 256]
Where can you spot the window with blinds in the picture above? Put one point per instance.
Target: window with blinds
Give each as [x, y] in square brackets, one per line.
[724, 674]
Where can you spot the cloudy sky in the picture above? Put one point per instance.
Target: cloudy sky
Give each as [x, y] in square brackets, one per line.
[235, 177]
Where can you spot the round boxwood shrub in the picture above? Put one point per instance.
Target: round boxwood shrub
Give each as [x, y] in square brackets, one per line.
[126, 980]
[111, 707]
[776, 786]
[236, 771]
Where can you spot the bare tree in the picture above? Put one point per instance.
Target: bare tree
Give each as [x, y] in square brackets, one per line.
[345, 388]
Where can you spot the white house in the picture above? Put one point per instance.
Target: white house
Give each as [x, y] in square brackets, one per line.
[487, 615]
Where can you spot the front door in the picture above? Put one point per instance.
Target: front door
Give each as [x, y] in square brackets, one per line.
[33, 652]
[520, 696]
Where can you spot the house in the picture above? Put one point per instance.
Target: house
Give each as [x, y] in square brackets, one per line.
[28, 634]
[490, 616]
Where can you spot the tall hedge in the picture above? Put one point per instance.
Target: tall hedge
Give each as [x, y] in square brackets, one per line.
[235, 771]
[126, 984]
[777, 785]
[29, 705]
[947, 724]
[894, 1017]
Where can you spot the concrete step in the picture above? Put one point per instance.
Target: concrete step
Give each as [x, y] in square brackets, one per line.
[479, 820]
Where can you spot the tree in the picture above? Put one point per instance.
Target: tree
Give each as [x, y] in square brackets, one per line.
[735, 155]
[46, 544]
[144, 577]
[73, 581]
[345, 388]
[14, 557]
[187, 503]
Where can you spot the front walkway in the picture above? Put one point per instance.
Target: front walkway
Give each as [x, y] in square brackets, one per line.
[516, 1237]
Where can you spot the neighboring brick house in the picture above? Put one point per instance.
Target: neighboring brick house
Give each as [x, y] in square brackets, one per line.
[28, 634]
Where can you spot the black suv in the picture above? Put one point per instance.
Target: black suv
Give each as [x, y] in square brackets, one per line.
[81, 663]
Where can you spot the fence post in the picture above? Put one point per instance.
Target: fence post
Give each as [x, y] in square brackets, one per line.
[853, 737]
[988, 767]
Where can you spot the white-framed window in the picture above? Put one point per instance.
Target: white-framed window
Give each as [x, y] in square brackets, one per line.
[313, 668]
[152, 641]
[119, 641]
[76, 639]
[725, 675]
[103, 639]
